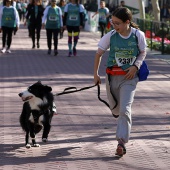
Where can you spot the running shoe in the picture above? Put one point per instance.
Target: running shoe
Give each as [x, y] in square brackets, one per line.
[55, 52]
[49, 52]
[69, 54]
[8, 51]
[121, 150]
[3, 50]
[74, 51]
[38, 45]
[33, 46]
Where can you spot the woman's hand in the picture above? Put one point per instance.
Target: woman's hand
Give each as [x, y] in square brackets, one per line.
[97, 79]
[131, 71]
[43, 26]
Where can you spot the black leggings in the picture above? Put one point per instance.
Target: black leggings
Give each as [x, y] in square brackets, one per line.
[38, 30]
[7, 35]
[102, 28]
[54, 33]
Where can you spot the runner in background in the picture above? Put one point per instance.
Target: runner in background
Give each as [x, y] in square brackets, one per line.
[9, 20]
[52, 21]
[103, 14]
[34, 17]
[73, 22]
[62, 5]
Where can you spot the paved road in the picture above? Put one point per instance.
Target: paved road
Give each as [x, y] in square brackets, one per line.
[83, 133]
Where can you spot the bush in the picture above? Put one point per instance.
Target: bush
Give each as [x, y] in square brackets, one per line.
[168, 37]
[161, 32]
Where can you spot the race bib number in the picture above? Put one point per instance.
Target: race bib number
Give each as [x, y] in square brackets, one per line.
[73, 18]
[102, 17]
[122, 59]
[53, 18]
[8, 18]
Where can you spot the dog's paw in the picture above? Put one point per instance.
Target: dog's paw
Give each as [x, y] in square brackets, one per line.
[28, 146]
[45, 140]
[36, 145]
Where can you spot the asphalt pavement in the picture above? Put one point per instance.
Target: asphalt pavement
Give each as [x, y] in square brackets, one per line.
[82, 136]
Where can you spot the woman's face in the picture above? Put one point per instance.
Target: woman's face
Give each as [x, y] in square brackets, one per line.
[8, 2]
[37, 2]
[53, 2]
[119, 25]
[102, 4]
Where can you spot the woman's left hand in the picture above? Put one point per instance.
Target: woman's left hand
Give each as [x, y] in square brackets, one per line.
[131, 71]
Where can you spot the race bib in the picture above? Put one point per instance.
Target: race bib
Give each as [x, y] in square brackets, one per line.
[73, 18]
[102, 17]
[8, 18]
[53, 18]
[122, 59]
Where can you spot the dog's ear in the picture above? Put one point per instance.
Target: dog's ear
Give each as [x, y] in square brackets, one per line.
[48, 88]
[39, 82]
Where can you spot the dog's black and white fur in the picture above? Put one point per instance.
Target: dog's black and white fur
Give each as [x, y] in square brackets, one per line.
[37, 113]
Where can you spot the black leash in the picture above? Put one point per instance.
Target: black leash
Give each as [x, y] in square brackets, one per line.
[74, 89]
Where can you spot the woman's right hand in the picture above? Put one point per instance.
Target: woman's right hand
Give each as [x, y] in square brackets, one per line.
[97, 79]
[43, 26]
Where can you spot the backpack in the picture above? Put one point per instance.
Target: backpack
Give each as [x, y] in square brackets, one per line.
[143, 72]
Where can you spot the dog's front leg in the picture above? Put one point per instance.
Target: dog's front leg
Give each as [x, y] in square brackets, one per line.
[27, 145]
[46, 131]
[32, 135]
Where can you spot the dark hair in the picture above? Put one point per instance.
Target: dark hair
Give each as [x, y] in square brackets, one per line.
[60, 3]
[4, 2]
[77, 2]
[33, 2]
[124, 14]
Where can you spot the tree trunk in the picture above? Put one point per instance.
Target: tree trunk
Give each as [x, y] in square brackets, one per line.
[156, 10]
[142, 8]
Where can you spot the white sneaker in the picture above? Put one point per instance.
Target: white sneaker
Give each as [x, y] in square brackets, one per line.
[8, 51]
[3, 50]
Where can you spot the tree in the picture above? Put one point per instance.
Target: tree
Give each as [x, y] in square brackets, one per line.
[142, 8]
[156, 10]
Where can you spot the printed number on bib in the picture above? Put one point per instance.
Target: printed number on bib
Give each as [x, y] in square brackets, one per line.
[8, 18]
[53, 18]
[122, 60]
[102, 17]
[73, 17]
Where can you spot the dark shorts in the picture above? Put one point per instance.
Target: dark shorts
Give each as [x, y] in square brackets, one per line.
[73, 28]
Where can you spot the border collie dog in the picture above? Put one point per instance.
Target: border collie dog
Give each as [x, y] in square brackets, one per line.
[37, 112]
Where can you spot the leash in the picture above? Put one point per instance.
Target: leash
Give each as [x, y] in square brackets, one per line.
[74, 89]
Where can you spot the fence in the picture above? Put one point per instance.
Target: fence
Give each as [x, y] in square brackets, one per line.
[157, 34]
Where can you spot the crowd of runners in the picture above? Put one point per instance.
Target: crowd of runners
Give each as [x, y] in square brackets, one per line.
[54, 16]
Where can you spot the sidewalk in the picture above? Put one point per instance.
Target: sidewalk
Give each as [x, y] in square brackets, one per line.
[82, 136]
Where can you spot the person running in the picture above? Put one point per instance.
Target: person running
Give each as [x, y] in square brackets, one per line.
[62, 5]
[73, 22]
[103, 14]
[127, 51]
[19, 9]
[34, 17]
[23, 9]
[9, 20]
[52, 20]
